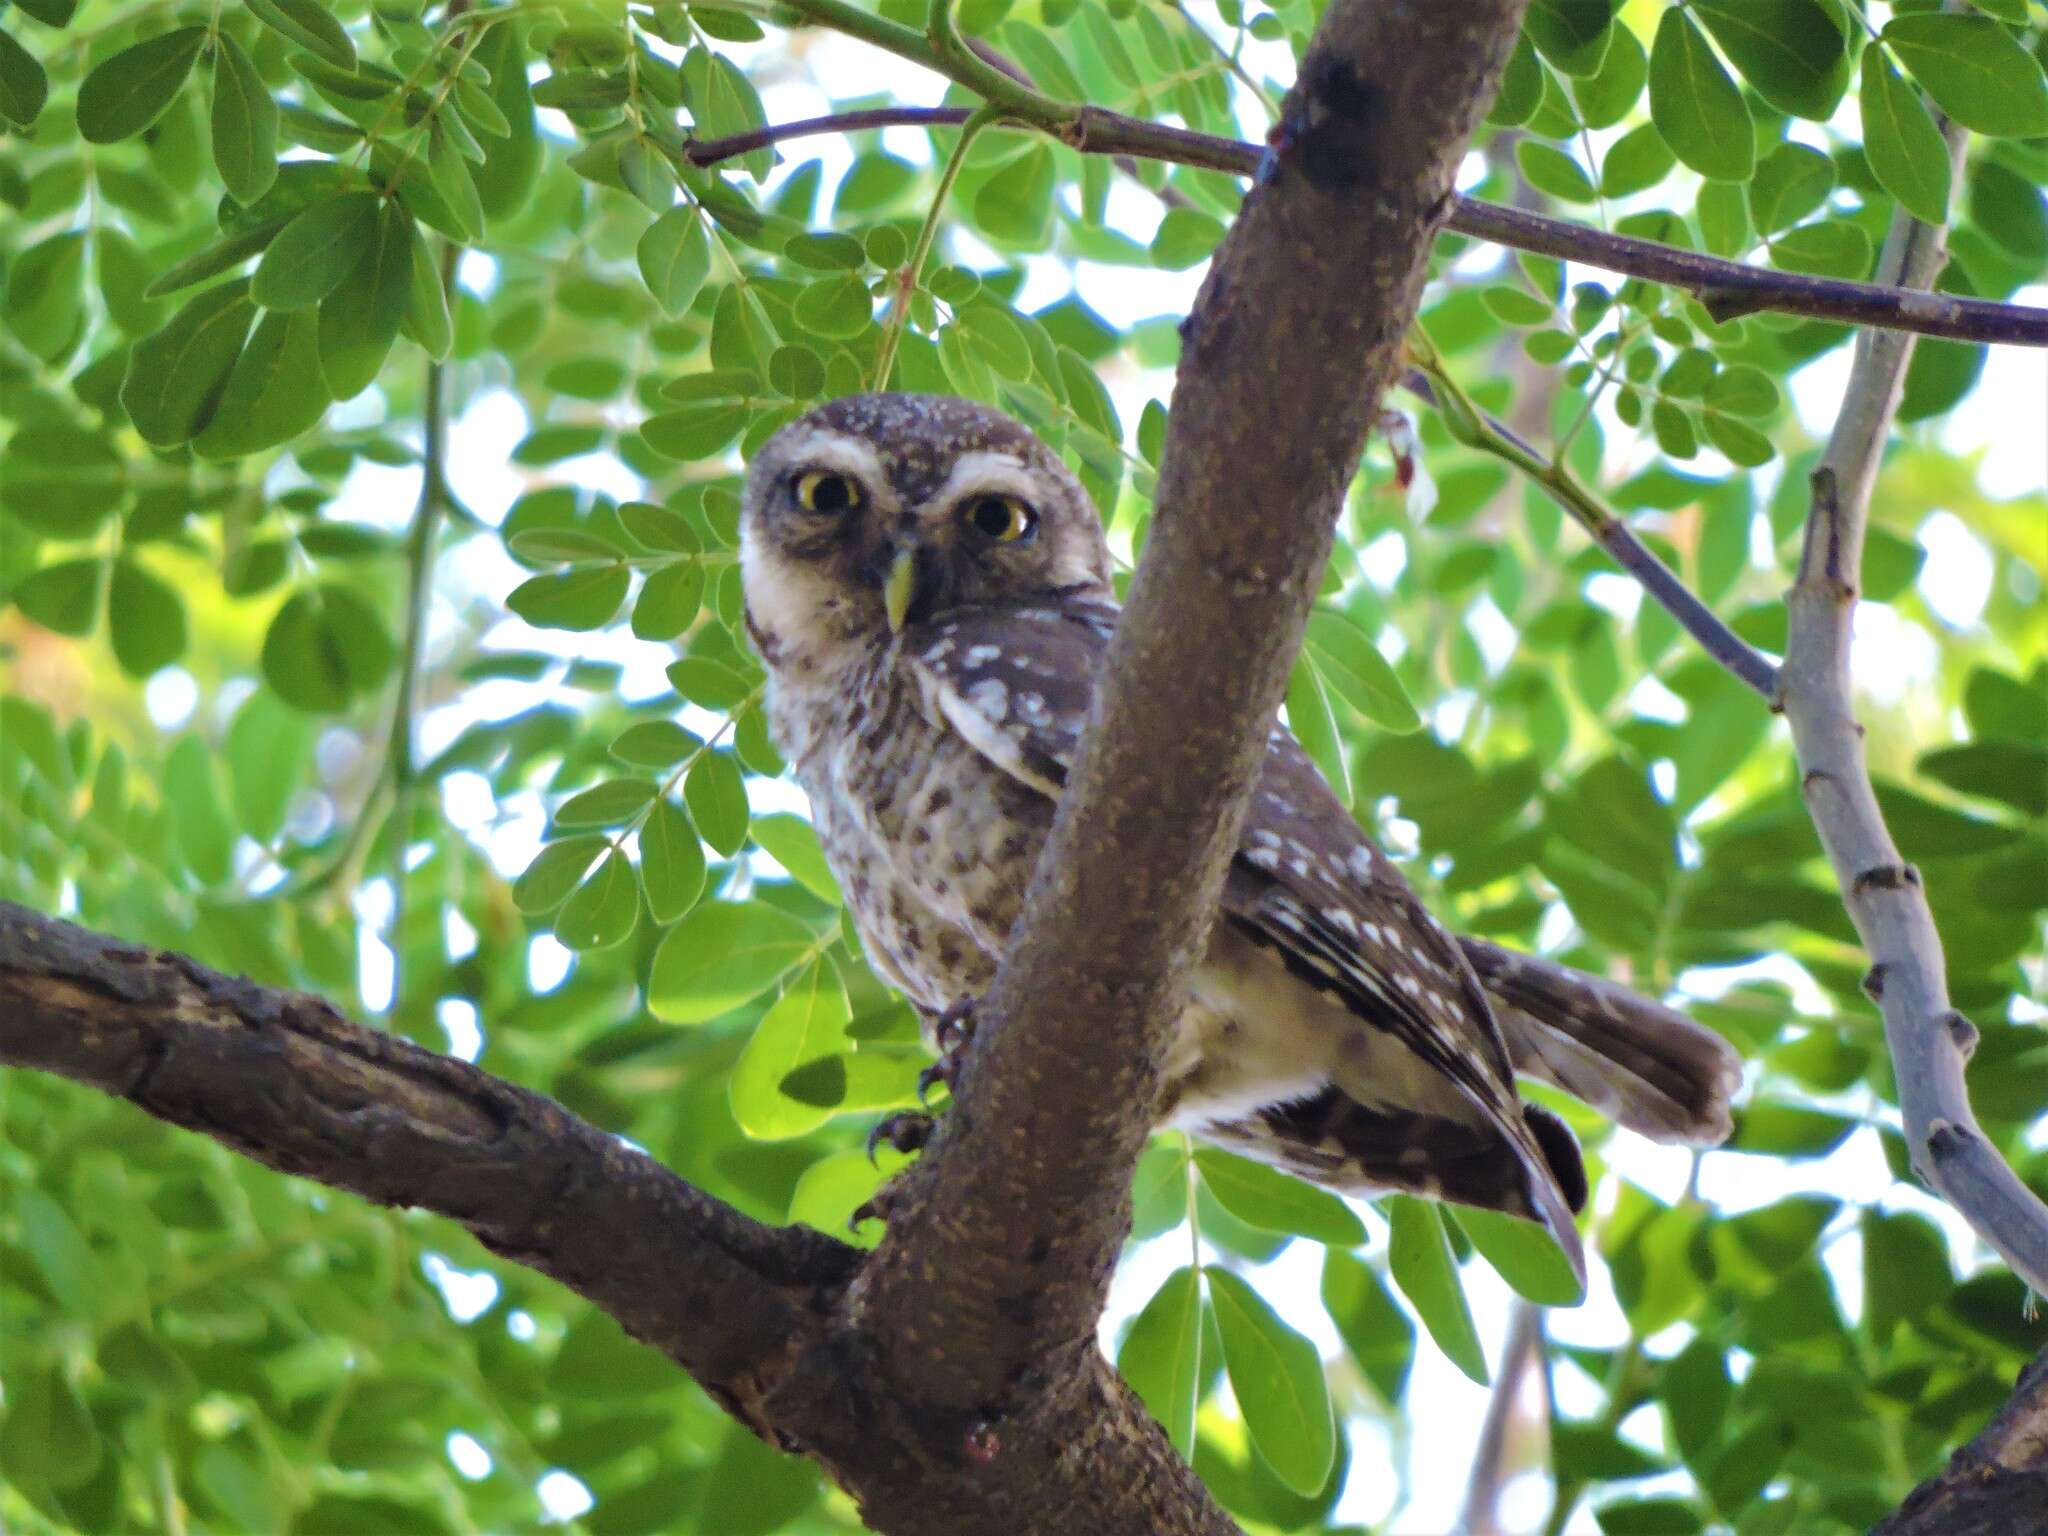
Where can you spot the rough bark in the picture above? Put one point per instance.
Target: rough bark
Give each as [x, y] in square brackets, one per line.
[951, 1380]
[1997, 1484]
[1299, 321]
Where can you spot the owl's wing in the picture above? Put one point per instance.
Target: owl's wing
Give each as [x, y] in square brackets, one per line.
[1017, 683]
[1307, 882]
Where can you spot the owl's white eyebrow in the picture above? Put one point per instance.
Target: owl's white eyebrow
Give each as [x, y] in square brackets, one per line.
[821, 449]
[986, 471]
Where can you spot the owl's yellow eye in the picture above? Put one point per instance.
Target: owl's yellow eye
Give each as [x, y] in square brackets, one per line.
[1005, 519]
[821, 491]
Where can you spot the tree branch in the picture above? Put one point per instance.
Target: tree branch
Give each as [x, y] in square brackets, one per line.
[1996, 1484]
[1930, 1042]
[1476, 429]
[1728, 289]
[282, 1078]
[768, 1320]
[1011, 1225]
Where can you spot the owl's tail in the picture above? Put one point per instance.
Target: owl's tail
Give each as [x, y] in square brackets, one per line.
[1639, 1063]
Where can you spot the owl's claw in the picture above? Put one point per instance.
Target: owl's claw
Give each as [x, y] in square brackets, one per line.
[906, 1132]
[952, 1033]
[954, 1027]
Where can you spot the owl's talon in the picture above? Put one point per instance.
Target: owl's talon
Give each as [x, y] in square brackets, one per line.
[954, 1027]
[941, 1071]
[906, 1132]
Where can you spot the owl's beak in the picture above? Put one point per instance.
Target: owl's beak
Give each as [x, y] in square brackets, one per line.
[900, 586]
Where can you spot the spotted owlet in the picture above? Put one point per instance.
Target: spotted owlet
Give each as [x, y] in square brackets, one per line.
[930, 589]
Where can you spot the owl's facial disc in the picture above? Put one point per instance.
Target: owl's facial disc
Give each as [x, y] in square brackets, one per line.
[878, 512]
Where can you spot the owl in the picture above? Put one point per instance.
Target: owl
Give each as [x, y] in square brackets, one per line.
[929, 587]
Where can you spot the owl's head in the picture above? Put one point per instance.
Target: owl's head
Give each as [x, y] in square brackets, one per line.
[878, 511]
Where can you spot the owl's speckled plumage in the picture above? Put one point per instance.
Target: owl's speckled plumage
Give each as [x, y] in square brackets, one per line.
[1334, 1027]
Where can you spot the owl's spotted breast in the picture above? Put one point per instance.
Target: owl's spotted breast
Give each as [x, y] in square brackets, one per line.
[932, 845]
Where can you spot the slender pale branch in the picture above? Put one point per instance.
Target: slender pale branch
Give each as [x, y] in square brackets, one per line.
[1930, 1042]
[1727, 288]
[1476, 429]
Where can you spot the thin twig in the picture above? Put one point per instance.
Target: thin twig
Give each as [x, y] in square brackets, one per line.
[1728, 289]
[1476, 429]
[1930, 1042]
[1506, 1413]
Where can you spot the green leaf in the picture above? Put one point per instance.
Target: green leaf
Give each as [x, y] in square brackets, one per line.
[192, 795]
[63, 596]
[1549, 169]
[1277, 1378]
[1161, 1357]
[1792, 51]
[675, 258]
[275, 392]
[1014, 206]
[244, 123]
[671, 862]
[804, 1025]
[215, 259]
[1975, 71]
[1742, 391]
[146, 619]
[359, 320]
[45, 300]
[791, 842]
[1420, 1259]
[268, 750]
[1694, 104]
[1524, 1254]
[1791, 182]
[1373, 1326]
[605, 805]
[1906, 150]
[61, 479]
[1351, 667]
[310, 257]
[2014, 772]
[669, 600]
[324, 646]
[23, 85]
[1637, 161]
[48, 1437]
[1905, 1270]
[2001, 706]
[1185, 237]
[584, 598]
[176, 377]
[1308, 714]
[556, 871]
[128, 92]
[604, 907]
[427, 319]
[512, 159]
[449, 173]
[835, 307]
[723, 954]
[716, 793]
[309, 24]
[710, 683]
[1571, 34]
[1273, 1202]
